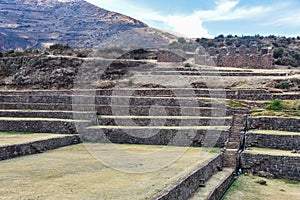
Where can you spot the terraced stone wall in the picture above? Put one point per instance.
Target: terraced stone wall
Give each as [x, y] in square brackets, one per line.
[38, 126]
[286, 167]
[16, 150]
[162, 137]
[283, 142]
[189, 185]
[218, 192]
[275, 123]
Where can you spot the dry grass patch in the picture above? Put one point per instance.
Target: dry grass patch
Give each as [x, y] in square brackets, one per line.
[221, 128]
[272, 152]
[73, 173]
[8, 138]
[273, 132]
[40, 119]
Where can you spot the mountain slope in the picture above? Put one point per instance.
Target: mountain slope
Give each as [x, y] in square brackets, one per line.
[39, 23]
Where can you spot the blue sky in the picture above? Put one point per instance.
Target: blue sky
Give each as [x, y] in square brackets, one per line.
[203, 18]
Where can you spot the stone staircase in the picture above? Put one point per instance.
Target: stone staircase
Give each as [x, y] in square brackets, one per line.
[234, 142]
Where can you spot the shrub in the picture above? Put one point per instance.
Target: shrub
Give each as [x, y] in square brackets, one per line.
[284, 85]
[187, 65]
[278, 53]
[59, 47]
[276, 105]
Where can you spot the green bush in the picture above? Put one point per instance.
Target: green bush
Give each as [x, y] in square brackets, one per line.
[276, 104]
[278, 53]
[187, 65]
[59, 47]
[284, 85]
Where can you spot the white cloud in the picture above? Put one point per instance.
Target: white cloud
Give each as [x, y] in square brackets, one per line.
[192, 25]
[227, 10]
[225, 5]
[283, 19]
[189, 26]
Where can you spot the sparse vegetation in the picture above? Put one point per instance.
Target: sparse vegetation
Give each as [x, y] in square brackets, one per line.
[287, 105]
[284, 85]
[279, 108]
[236, 104]
[275, 105]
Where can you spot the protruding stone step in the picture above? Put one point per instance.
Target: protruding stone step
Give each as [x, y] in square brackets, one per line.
[231, 158]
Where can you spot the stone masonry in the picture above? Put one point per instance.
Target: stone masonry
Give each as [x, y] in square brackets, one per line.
[236, 57]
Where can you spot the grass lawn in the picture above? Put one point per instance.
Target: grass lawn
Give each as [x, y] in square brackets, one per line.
[246, 188]
[10, 138]
[74, 173]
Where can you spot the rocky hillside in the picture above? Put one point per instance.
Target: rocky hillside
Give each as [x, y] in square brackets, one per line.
[41, 23]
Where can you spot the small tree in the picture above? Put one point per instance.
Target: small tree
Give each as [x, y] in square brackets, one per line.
[181, 40]
[278, 53]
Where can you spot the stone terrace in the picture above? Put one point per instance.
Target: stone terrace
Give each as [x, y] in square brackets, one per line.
[175, 115]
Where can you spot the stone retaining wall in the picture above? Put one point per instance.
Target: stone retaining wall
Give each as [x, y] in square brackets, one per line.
[187, 186]
[16, 150]
[286, 167]
[219, 191]
[275, 123]
[169, 110]
[158, 136]
[284, 142]
[40, 126]
[164, 121]
[81, 96]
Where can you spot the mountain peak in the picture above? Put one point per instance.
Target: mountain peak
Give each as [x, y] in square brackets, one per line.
[40, 23]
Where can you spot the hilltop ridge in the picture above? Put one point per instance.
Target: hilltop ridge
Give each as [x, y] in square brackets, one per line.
[41, 23]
